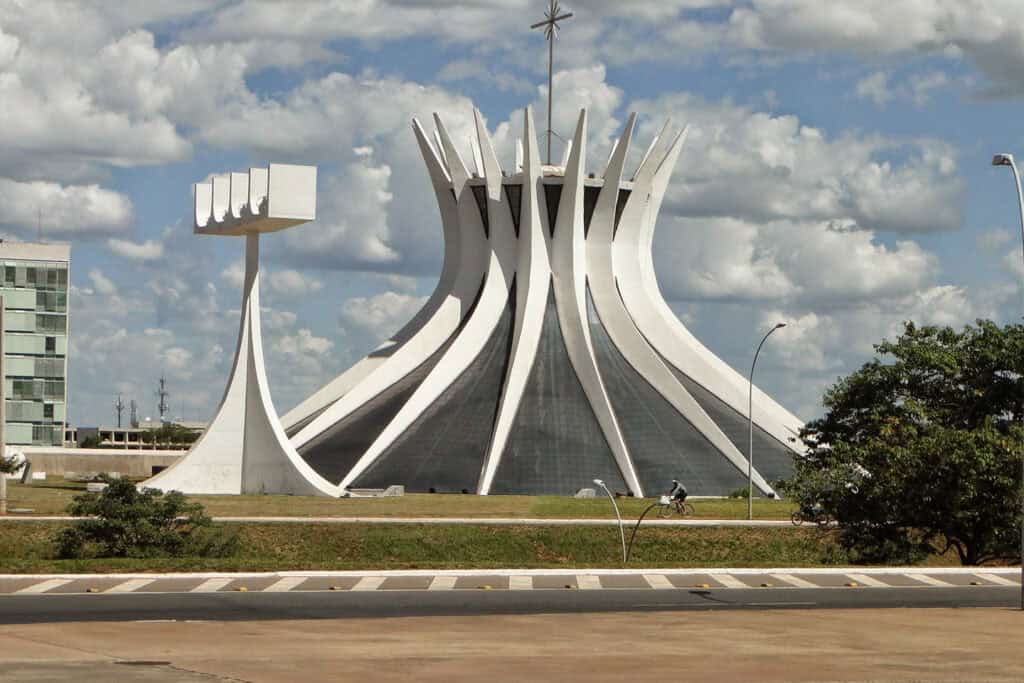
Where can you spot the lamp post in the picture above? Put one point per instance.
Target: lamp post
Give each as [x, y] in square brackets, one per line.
[622, 533]
[750, 426]
[1007, 160]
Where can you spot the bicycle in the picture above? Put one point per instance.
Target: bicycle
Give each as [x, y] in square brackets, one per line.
[811, 514]
[671, 506]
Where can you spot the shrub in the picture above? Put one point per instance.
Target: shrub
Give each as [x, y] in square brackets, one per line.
[122, 521]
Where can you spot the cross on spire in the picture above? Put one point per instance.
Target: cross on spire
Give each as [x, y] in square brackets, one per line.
[550, 26]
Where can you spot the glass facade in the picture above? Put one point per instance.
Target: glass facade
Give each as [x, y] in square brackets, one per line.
[35, 343]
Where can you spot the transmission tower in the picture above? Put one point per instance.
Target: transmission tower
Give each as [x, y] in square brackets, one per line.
[119, 407]
[161, 393]
[133, 413]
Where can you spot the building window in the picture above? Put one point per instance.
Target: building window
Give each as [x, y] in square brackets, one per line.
[48, 410]
[51, 345]
[30, 276]
[9, 276]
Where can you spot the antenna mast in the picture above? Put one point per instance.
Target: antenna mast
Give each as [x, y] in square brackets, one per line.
[133, 420]
[162, 393]
[119, 407]
[550, 26]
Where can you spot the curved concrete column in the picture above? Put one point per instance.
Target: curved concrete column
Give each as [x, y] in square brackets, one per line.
[533, 277]
[608, 284]
[633, 261]
[344, 383]
[569, 278]
[452, 309]
[244, 449]
[499, 251]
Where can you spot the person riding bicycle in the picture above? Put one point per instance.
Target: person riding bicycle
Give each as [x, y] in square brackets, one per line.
[678, 492]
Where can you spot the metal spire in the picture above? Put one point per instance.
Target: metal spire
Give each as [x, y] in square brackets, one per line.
[550, 25]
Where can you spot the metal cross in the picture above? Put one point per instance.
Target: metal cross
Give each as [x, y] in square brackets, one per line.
[550, 25]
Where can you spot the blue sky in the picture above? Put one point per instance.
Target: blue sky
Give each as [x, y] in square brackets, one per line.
[836, 175]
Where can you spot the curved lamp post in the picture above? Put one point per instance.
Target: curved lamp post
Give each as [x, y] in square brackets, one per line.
[622, 533]
[750, 425]
[661, 501]
[1007, 160]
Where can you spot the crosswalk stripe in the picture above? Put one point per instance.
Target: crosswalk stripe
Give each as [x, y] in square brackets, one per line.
[211, 585]
[284, 585]
[588, 582]
[930, 580]
[729, 581]
[442, 583]
[129, 586]
[520, 583]
[995, 578]
[45, 586]
[869, 581]
[369, 583]
[793, 580]
[659, 581]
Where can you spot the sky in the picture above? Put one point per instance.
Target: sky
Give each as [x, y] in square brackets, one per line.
[836, 175]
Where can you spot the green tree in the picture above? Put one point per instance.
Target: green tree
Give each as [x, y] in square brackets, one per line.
[920, 450]
[122, 521]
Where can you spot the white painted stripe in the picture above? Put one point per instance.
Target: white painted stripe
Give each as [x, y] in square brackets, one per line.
[997, 579]
[658, 581]
[868, 581]
[129, 586]
[588, 582]
[211, 585]
[442, 583]
[793, 580]
[520, 583]
[44, 586]
[285, 584]
[369, 583]
[930, 580]
[729, 581]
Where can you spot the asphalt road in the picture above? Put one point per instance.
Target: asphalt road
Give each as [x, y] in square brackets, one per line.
[25, 609]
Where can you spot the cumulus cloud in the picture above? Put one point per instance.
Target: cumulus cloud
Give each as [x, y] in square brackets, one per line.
[380, 315]
[63, 210]
[141, 252]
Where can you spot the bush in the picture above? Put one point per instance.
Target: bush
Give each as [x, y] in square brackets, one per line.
[740, 493]
[123, 521]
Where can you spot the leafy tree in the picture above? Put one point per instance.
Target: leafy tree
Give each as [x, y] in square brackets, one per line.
[122, 521]
[920, 450]
[169, 434]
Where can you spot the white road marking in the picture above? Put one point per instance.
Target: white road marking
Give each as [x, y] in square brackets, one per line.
[285, 584]
[211, 585]
[442, 583]
[793, 580]
[369, 583]
[129, 586]
[729, 581]
[588, 582]
[658, 581]
[869, 581]
[520, 583]
[995, 578]
[44, 586]
[930, 580]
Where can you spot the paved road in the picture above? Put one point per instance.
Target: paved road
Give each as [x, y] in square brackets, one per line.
[488, 521]
[320, 595]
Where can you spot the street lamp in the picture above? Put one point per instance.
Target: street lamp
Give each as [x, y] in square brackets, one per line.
[1007, 160]
[622, 533]
[750, 425]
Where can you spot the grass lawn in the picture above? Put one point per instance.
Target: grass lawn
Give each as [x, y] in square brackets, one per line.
[25, 547]
[52, 498]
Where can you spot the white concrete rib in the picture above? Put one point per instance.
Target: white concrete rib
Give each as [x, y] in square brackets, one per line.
[616, 320]
[444, 321]
[666, 333]
[533, 276]
[569, 268]
[493, 300]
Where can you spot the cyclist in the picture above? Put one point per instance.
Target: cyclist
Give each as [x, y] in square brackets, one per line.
[678, 492]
